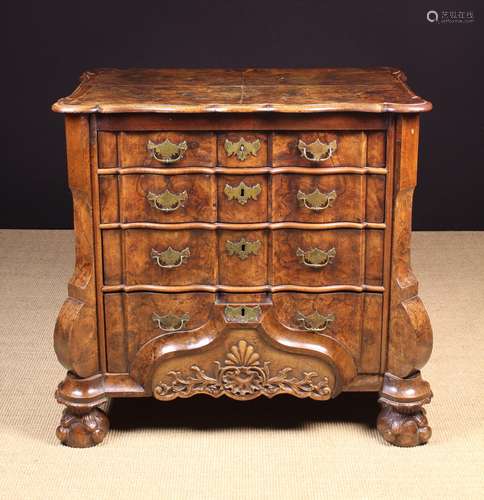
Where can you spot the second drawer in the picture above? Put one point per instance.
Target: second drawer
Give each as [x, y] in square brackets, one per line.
[242, 198]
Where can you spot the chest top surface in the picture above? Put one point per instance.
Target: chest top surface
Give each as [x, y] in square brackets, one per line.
[373, 90]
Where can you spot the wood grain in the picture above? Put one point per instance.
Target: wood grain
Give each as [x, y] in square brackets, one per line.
[133, 149]
[360, 331]
[242, 333]
[354, 202]
[350, 152]
[347, 267]
[200, 203]
[375, 90]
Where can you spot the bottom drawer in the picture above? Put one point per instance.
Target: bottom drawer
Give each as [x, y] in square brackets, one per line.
[353, 319]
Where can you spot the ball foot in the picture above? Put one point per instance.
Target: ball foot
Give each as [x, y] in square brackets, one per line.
[82, 427]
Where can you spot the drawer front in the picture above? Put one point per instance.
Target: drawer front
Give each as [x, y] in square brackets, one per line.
[146, 316]
[242, 149]
[242, 198]
[329, 257]
[354, 319]
[134, 319]
[243, 258]
[183, 257]
[167, 149]
[163, 198]
[329, 149]
[328, 198]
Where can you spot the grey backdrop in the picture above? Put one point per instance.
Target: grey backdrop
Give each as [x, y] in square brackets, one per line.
[48, 44]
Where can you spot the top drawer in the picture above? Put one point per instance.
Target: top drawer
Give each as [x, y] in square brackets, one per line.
[159, 149]
[357, 149]
[329, 149]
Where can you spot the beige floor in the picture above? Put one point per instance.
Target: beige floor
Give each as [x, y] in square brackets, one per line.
[220, 449]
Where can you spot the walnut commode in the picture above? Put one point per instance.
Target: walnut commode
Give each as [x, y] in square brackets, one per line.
[242, 233]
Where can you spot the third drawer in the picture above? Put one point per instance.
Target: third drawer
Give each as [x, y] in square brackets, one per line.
[312, 258]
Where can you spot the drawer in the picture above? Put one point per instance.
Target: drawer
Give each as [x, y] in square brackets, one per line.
[133, 319]
[242, 149]
[242, 198]
[243, 258]
[159, 198]
[329, 257]
[328, 198]
[354, 319]
[146, 316]
[158, 257]
[329, 149]
[167, 149]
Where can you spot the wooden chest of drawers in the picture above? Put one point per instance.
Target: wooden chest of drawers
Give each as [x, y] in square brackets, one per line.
[242, 233]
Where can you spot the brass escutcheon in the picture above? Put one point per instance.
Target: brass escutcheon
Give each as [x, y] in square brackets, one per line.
[242, 193]
[315, 257]
[317, 150]
[242, 314]
[316, 200]
[170, 258]
[167, 201]
[170, 322]
[242, 148]
[167, 151]
[242, 248]
[315, 322]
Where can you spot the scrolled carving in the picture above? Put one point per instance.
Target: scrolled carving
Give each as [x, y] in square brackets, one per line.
[242, 376]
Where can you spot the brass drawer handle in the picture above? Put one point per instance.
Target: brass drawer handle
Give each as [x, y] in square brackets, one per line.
[242, 193]
[170, 322]
[242, 248]
[167, 151]
[315, 322]
[317, 150]
[242, 148]
[170, 258]
[316, 200]
[242, 314]
[316, 257]
[167, 201]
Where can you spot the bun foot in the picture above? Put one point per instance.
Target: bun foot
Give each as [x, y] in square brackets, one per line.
[82, 427]
[402, 420]
[403, 429]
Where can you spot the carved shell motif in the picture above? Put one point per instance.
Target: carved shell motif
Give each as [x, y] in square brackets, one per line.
[243, 376]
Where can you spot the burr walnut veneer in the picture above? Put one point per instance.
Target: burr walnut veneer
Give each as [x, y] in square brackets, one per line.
[242, 233]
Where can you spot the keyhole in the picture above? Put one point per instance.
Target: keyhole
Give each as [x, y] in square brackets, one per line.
[242, 192]
[243, 247]
[242, 311]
